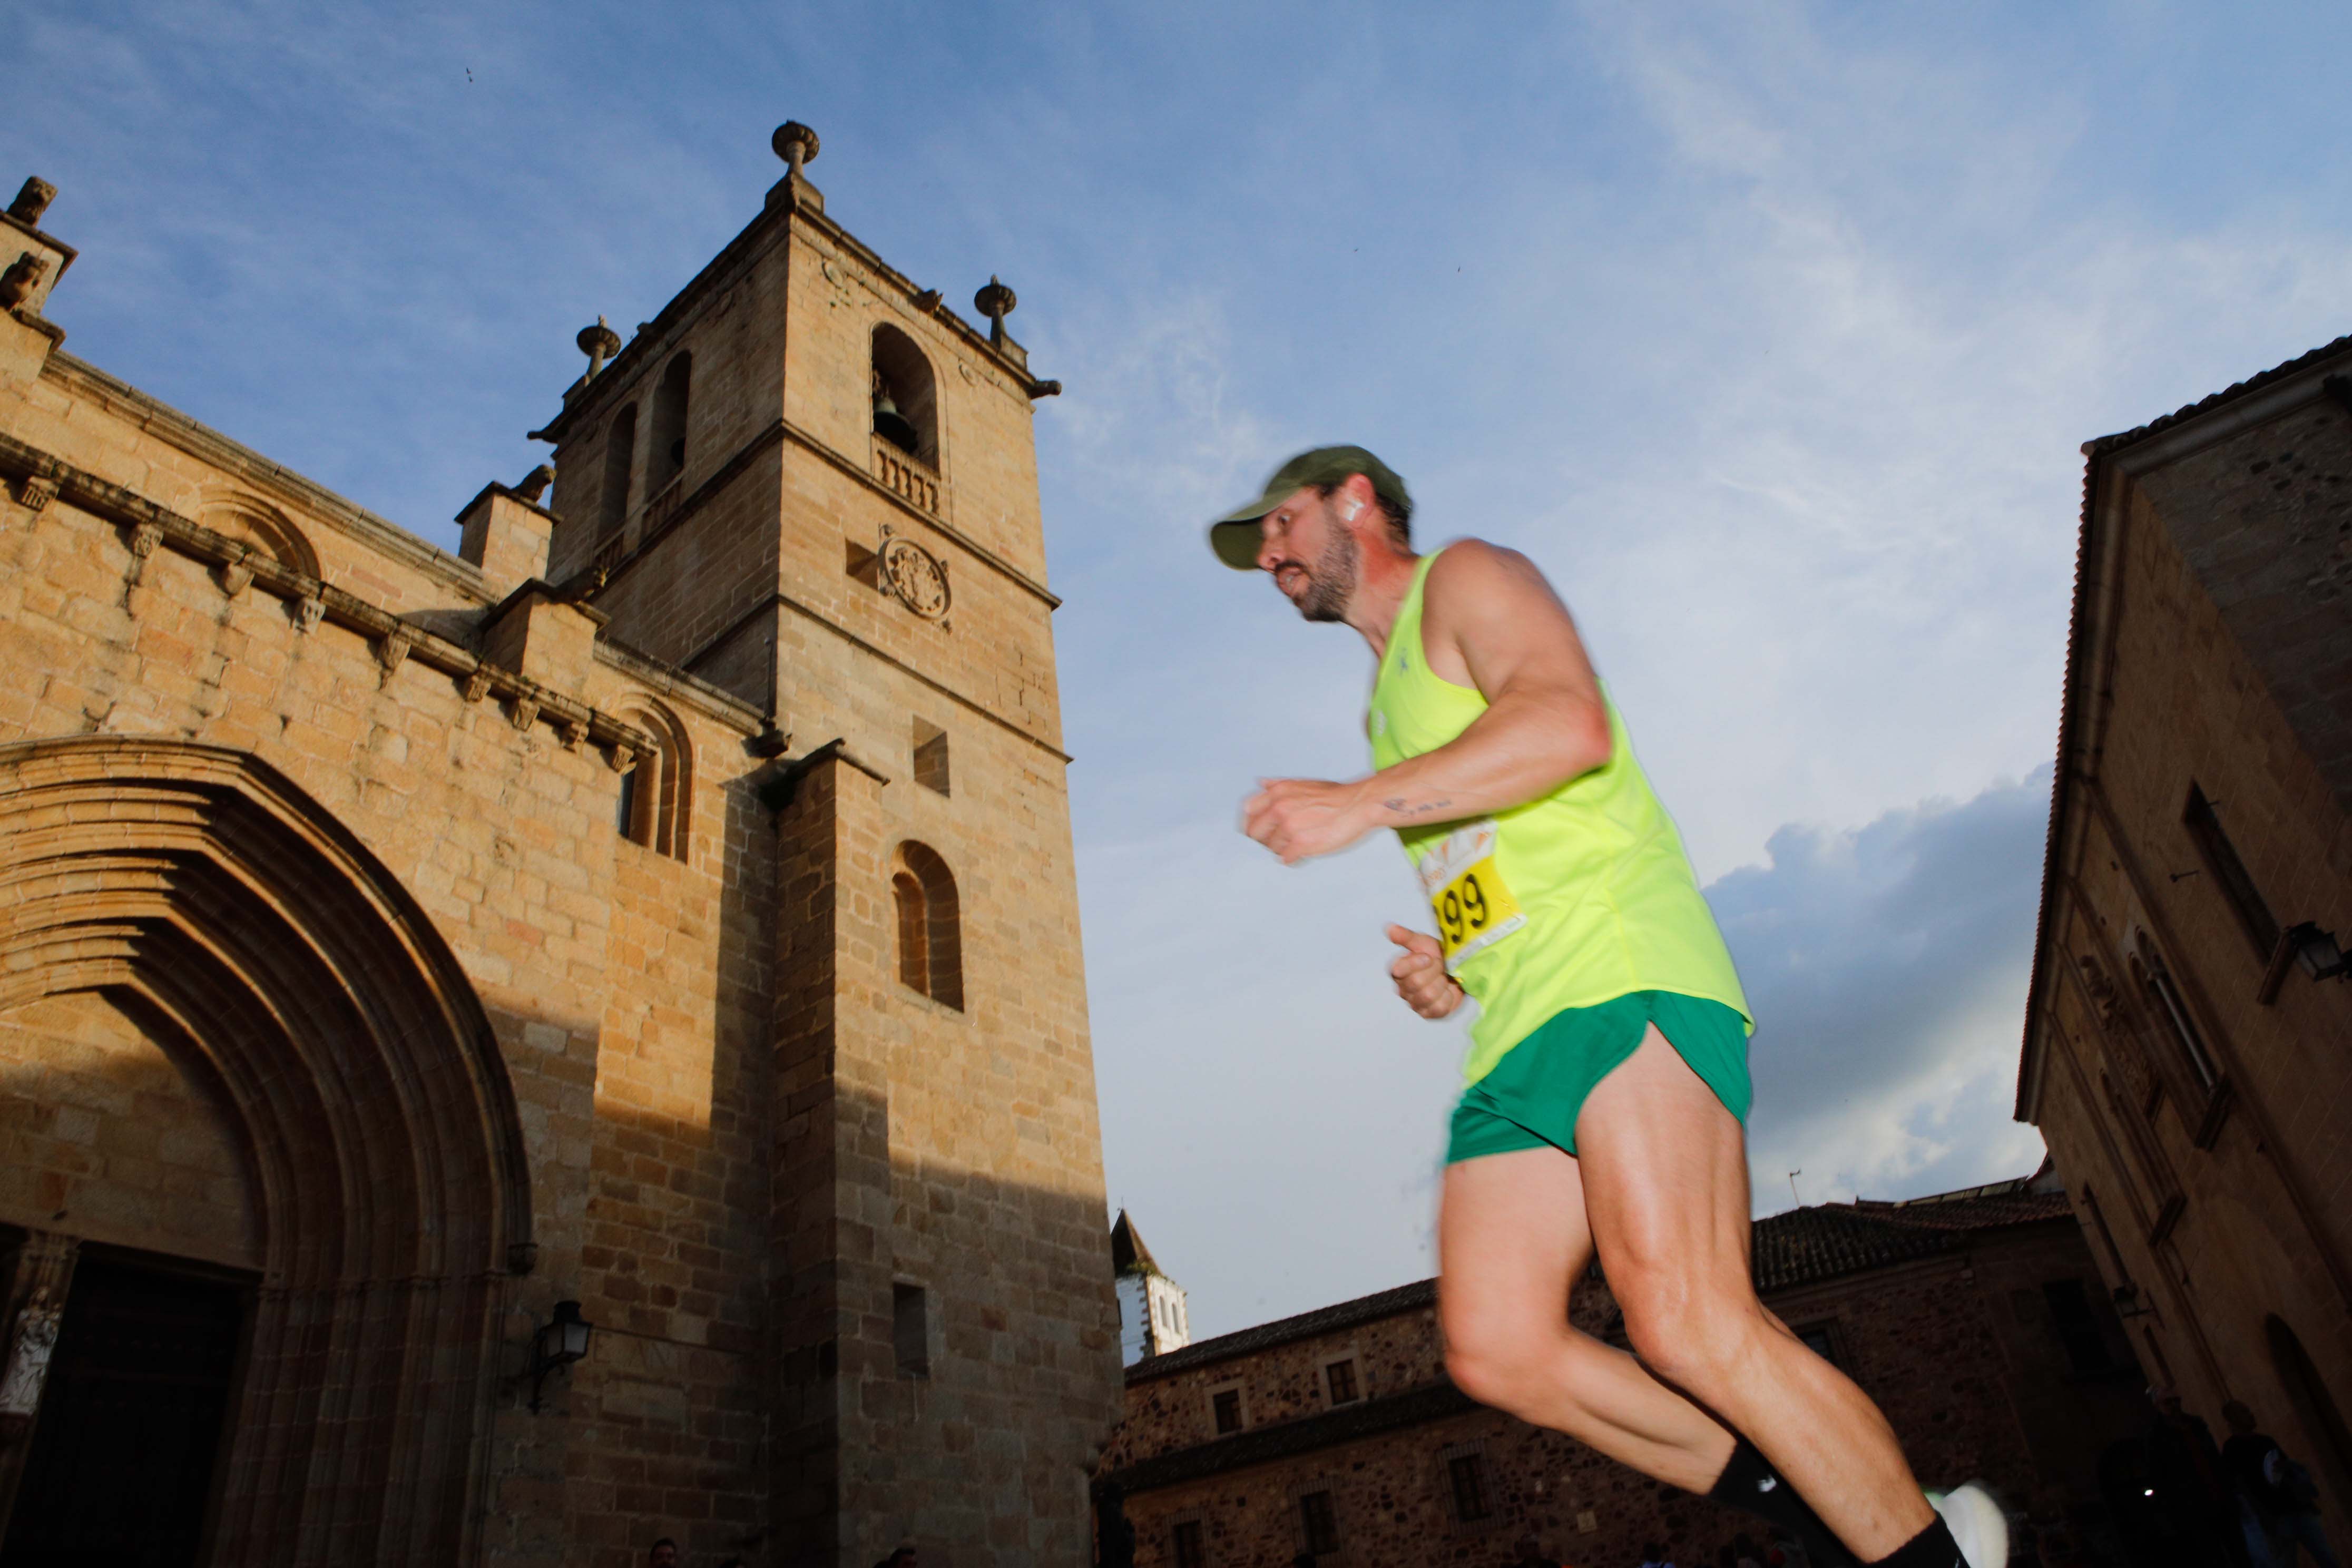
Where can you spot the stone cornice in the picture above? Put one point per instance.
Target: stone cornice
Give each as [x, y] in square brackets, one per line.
[40, 475]
[713, 702]
[160, 419]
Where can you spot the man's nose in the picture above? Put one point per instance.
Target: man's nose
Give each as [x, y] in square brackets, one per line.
[1269, 551]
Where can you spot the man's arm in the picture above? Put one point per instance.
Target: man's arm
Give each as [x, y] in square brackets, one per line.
[1489, 620]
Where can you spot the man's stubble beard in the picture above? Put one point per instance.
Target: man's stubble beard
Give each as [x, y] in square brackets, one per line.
[1331, 581]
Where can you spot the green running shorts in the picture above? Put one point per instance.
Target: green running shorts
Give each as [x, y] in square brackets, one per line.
[1532, 1096]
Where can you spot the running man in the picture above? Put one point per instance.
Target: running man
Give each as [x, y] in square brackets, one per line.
[1608, 1067]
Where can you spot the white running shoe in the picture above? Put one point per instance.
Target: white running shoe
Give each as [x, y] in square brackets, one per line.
[1976, 1525]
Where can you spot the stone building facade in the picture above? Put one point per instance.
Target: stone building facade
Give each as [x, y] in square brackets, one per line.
[1975, 1319]
[2186, 1045]
[666, 907]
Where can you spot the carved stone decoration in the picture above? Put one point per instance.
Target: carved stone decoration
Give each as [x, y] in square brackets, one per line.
[23, 275]
[30, 1348]
[619, 757]
[234, 576]
[392, 650]
[477, 685]
[143, 540]
[917, 577]
[522, 712]
[2102, 990]
[534, 483]
[574, 733]
[35, 493]
[308, 613]
[33, 199]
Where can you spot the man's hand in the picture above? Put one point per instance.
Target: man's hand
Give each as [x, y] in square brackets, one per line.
[1296, 818]
[1419, 975]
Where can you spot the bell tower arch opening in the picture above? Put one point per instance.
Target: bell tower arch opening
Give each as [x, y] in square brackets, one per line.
[270, 955]
[906, 396]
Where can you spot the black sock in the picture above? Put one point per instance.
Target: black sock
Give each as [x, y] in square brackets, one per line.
[1931, 1548]
[1749, 1482]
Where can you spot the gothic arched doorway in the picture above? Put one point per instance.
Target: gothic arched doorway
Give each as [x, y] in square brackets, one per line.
[248, 937]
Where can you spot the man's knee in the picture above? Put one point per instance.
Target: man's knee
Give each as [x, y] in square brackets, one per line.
[1497, 1361]
[1695, 1339]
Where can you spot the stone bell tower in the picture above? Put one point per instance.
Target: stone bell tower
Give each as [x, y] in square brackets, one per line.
[809, 482]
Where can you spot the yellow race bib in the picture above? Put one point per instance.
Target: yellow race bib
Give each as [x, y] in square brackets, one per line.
[1474, 907]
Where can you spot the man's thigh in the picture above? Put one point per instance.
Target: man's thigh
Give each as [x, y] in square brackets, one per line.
[1665, 1172]
[1512, 1240]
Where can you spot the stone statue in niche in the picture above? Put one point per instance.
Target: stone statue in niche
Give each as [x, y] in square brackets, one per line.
[29, 1350]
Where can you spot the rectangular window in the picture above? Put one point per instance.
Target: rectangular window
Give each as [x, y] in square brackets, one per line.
[1227, 1408]
[2172, 1014]
[1188, 1553]
[2078, 1329]
[931, 756]
[1341, 1376]
[2229, 875]
[1468, 1476]
[911, 1330]
[1321, 1522]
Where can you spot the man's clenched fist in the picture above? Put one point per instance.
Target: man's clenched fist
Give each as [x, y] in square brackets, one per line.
[1297, 818]
[1419, 975]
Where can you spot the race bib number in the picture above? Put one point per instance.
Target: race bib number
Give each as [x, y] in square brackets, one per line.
[1475, 910]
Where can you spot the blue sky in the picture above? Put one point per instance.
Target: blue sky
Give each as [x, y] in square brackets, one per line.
[1771, 332]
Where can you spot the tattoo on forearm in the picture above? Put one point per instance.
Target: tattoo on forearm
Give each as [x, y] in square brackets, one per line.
[1398, 805]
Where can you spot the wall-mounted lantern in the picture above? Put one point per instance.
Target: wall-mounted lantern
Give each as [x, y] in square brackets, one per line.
[557, 1343]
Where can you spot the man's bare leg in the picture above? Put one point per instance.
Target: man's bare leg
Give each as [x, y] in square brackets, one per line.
[1661, 1187]
[1512, 1243]
[1666, 1194]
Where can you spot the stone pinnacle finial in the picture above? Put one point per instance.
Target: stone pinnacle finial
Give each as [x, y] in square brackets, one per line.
[33, 199]
[599, 342]
[996, 302]
[796, 144]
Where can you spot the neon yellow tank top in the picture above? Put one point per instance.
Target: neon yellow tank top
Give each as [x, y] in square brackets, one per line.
[1577, 897]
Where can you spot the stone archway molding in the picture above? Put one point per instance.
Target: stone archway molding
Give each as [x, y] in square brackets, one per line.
[266, 946]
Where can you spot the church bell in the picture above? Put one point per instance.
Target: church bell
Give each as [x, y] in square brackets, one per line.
[892, 425]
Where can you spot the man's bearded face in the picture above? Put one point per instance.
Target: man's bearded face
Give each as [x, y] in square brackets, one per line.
[1330, 582]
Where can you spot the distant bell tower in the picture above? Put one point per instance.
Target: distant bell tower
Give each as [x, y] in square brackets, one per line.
[1151, 1317]
[809, 483]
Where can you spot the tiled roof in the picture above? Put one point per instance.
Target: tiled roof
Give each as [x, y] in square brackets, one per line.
[1282, 1331]
[1802, 1246]
[2227, 394]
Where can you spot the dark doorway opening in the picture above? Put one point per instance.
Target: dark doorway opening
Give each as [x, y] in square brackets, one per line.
[2315, 1408]
[120, 1469]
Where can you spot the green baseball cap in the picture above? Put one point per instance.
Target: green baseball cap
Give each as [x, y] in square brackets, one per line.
[1235, 537]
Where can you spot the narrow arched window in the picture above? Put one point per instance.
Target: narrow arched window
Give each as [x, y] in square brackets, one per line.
[906, 398]
[666, 458]
[657, 793]
[914, 932]
[620, 455]
[931, 925]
